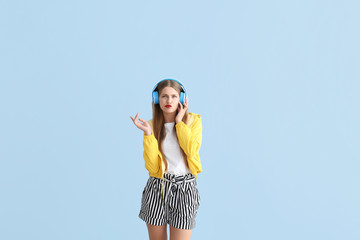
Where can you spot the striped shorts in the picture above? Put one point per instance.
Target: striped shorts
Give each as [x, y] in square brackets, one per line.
[177, 207]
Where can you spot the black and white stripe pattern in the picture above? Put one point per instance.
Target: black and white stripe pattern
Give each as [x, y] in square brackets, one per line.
[182, 201]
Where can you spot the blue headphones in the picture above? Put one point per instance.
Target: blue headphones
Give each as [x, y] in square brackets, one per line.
[155, 94]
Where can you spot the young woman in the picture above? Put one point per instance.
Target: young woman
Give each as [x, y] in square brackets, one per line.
[172, 139]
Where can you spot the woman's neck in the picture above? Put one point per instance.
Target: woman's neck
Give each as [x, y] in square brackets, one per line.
[169, 117]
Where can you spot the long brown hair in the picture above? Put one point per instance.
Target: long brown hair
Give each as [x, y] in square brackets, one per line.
[158, 119]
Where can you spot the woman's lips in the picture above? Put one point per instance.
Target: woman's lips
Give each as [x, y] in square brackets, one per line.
[168, 106]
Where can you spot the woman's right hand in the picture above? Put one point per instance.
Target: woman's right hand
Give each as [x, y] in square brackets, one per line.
[145, 126]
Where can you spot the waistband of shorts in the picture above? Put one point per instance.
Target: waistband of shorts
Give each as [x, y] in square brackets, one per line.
[178, 178]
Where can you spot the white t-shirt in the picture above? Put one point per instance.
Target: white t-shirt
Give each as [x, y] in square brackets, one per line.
[171, 150]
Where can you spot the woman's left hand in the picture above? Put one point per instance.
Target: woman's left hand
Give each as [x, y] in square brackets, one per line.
[181, 111]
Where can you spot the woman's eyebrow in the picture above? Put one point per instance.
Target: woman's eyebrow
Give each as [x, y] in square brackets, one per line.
[168, 94]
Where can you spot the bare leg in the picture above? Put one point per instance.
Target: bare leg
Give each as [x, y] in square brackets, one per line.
[157, 232]
[179, 234]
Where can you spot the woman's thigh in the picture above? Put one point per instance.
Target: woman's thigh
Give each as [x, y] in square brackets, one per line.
[179, 234]
[157, 232]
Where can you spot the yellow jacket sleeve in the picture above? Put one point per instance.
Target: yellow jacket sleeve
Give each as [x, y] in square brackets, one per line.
[153, 159]
[190, 138]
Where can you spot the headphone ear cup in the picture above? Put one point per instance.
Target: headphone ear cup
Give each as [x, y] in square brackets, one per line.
[155, 97]
[182, 97]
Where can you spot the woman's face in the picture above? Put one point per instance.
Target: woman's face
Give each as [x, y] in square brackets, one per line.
[169, 99]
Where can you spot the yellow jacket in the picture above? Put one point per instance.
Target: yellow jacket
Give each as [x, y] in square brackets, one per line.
[189, 137]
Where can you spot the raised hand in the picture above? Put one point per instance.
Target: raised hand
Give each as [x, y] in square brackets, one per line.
[181, 110]
[143, 125]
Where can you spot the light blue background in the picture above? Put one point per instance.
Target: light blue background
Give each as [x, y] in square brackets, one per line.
[276, 82]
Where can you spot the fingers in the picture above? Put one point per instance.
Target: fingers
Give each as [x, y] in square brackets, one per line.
[185, 105]
[134, 119]
[140, 123]
[136, 116]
